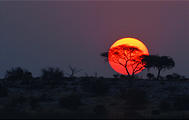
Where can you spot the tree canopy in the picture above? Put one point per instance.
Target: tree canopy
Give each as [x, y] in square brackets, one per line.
[158, 62]
[126, 56]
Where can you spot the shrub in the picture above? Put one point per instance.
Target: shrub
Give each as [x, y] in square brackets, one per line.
[174, 76]
[52, 75]
[150, 76]
[18, 74]
[169, 77]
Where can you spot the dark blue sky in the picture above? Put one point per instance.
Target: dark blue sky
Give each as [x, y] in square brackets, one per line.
[35, 35]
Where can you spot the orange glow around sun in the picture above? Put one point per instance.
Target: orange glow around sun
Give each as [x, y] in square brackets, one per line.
[124, 56]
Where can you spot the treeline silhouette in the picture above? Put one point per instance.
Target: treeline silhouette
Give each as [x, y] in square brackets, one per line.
[56, 94]
[133, 60]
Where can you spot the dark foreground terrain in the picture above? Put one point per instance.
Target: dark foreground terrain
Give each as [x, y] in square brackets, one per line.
[92, 97]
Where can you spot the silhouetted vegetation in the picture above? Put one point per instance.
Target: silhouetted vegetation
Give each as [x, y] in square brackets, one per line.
[127, 57]
[73, 71]
[175, 76]
[158, 62]
[150, 76]
[90, 96]
[18, 73]
[52, 75]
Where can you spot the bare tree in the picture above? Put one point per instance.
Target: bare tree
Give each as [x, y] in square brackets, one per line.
[73, 71]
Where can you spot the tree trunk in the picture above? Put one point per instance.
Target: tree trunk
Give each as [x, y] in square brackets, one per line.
[130, 80]
[158, 75]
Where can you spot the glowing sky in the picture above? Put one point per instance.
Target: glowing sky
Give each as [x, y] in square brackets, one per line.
[34, 35]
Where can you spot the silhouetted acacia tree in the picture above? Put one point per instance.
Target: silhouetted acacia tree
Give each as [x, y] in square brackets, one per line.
[52, 74]
[126, 56]
[158, 62]
[18, 74]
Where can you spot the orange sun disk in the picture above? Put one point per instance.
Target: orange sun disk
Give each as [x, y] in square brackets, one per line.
[133, 42]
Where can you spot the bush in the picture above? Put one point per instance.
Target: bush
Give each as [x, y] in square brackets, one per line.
[18, 74]
[71, 102]
[52, 75]
[150, 76]
[174, 76]
[169, 77]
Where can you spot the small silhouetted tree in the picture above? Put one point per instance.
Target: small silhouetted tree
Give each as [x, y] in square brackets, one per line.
[126, 56]
[18, 74]
[73, 71]
[52, 75]
[158, 62]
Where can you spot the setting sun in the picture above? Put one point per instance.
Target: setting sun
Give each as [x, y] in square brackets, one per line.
[124, 56]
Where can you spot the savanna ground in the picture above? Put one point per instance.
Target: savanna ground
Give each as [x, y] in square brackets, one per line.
[94, 97]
